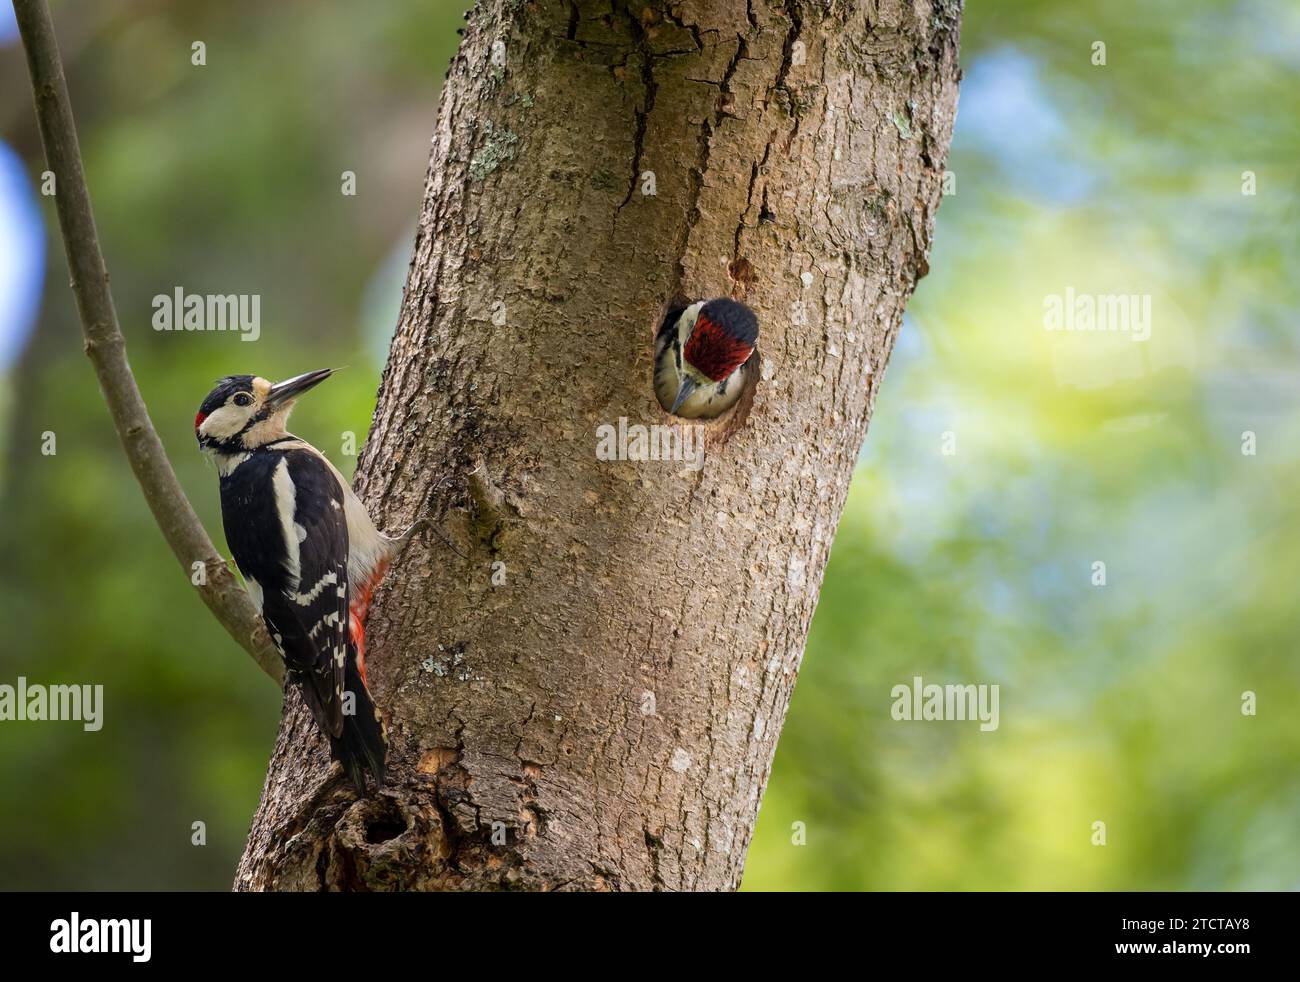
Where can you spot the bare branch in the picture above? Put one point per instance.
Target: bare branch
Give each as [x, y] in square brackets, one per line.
[106, 347]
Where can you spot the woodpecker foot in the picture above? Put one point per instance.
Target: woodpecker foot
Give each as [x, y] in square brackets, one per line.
[421, 524]
[428, 521]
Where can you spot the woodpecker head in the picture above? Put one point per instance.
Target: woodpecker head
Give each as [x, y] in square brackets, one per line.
[245, 411]
[719, 339]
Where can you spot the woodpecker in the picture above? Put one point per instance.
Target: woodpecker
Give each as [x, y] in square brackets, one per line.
[308, 551]
[703, 357]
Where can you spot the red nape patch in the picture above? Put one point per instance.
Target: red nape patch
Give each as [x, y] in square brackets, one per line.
[713, 351]
[199, 417]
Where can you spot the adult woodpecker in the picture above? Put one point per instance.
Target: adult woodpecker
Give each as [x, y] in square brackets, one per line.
[309, 554]
[703, 357]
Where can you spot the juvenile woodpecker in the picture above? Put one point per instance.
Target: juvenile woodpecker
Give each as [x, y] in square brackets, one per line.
[703, 357]
[309, 554]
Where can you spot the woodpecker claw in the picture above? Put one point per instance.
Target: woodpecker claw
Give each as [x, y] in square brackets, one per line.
[426, 521]
[445, 541]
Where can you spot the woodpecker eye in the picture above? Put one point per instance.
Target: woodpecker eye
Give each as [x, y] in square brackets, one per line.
[243, 399]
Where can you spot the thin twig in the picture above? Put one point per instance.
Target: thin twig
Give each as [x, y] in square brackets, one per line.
[107, 349]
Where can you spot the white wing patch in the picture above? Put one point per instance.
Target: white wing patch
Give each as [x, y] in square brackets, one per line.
[285, 503]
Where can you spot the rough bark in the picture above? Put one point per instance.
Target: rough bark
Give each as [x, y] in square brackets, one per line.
[605, 718]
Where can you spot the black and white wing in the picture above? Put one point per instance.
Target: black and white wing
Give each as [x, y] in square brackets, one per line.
[292, 545]
[311, 618]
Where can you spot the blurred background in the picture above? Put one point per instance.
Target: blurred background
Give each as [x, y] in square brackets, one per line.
[1119, 703]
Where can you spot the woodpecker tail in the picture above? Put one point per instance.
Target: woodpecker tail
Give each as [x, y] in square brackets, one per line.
[362, 746]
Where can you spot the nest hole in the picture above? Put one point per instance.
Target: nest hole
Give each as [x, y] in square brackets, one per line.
[384, 823]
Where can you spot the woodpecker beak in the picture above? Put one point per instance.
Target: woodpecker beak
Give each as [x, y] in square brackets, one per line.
[683, 393]
[283, 392]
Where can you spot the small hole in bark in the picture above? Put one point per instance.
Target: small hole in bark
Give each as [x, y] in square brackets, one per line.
[384, 830]
[385, 824]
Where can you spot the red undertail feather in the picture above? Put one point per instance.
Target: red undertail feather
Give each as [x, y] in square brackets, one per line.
[359, 609]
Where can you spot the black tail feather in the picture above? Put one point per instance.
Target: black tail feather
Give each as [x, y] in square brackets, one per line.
[362, 746]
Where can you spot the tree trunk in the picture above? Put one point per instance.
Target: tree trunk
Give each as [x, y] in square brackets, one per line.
[591, 696]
